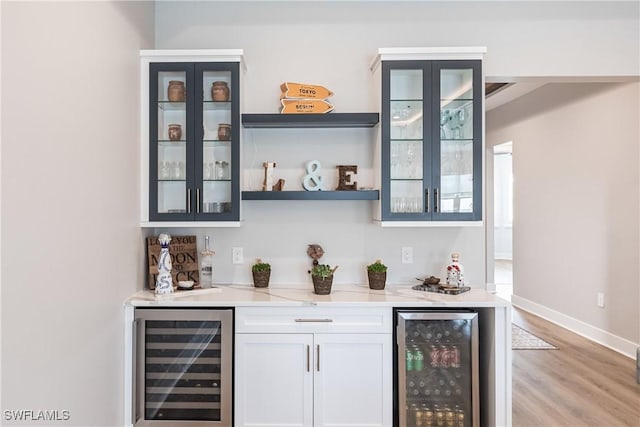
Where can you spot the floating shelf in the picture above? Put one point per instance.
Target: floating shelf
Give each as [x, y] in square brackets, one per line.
[311, 195]
[329, 120]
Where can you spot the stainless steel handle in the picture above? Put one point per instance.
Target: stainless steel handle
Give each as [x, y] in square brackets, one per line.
[188, 200]
[435, 200]
[197, 200]
[308, 358]
[426, 199]
[139, 356]
[318, 357]
[313, 320]
[134, 373]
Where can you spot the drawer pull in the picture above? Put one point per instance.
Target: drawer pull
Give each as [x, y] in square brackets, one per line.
[308, 359]
[313, 320]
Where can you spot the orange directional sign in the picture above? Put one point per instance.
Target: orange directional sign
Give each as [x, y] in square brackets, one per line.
[304, 91]
[301, 106]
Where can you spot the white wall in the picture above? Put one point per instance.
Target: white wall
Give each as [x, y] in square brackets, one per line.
[576, 203]
[503, 204]
[70, 236]
[333, 43]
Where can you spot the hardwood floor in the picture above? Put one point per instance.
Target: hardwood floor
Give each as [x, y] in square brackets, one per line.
[581, 384]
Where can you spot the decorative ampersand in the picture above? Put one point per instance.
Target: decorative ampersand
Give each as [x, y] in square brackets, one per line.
[312, 181]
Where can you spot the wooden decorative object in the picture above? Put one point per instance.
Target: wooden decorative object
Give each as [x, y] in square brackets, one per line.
[377, 279]
[305, 106]
[279, 186]
[345, 173]
[304, 91]
[267, 184]
[322, 286]
[184, 260]
[315, 252]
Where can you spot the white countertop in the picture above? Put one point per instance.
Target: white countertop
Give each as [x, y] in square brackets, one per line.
[341, 295]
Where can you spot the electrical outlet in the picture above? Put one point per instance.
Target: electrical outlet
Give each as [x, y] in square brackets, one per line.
[407, 255]
[600, 299]
[238, 256]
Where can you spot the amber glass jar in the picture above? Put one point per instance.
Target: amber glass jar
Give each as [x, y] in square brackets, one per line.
[219, 91]
[175, 132]
[175, 92]
[224, 132]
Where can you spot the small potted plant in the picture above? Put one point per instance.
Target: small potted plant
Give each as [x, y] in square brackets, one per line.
[261, 273]
[322, 276]
[377, 274]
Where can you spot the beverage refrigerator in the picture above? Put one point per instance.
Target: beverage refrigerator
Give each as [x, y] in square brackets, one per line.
[436, 368]
[183, 367]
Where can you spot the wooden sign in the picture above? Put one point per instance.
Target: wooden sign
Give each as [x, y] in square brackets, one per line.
[302, 106]
[304, 91]
[184, 259]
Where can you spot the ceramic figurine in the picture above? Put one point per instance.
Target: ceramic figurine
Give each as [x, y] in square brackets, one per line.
[455, 271]
[164, 283]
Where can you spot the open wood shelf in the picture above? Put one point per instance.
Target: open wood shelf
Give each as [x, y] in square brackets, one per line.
[311, 195]
[329, 120]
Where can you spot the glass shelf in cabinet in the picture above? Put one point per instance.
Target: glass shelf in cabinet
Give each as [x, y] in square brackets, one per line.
[217, 180]
[406, 179]
[172, 180]
[216, 142]
[172, 106]
[170, 143]
[217, 105]
[467, 140]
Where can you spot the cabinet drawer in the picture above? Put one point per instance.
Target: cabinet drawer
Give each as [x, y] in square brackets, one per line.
[376, 320]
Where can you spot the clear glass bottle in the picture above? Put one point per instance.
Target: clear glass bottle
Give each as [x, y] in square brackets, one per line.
[206, 265]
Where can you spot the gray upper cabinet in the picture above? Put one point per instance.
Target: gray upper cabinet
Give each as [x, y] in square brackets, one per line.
[192, 137]
[431, 138]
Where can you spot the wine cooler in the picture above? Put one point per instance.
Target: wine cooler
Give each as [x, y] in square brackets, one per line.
[436, 370]
[183, 368]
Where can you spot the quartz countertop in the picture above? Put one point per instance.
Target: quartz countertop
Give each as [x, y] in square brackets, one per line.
[293, 296]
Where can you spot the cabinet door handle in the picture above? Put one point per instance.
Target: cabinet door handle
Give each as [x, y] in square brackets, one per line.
[313, 320]
[435, 200]
[318, 357]
[426, 200]
[188, 200]
[308, 358]
[197, 200]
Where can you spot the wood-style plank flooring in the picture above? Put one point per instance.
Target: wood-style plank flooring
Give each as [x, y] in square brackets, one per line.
[581, 384]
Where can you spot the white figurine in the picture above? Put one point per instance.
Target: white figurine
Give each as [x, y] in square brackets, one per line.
[455, 271]
[164, 283]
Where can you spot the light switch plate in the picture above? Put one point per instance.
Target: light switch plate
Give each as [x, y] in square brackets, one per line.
[238, 256]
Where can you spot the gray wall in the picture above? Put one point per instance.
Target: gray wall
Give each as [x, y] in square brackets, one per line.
[70, 236]
[576, 206]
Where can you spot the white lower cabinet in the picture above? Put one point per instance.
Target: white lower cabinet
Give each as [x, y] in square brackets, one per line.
[313, 379]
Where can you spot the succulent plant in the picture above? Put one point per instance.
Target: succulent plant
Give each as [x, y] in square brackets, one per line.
[377, 267]
[260, 266]
[322, 270]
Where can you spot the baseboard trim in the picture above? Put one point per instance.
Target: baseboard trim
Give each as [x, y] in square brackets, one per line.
[600, 336]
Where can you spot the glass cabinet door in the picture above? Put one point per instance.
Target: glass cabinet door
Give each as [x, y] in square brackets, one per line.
[216, 167]
[404, 149]
[194, 141]
[431, 140]
[169, 132]
[457, 181]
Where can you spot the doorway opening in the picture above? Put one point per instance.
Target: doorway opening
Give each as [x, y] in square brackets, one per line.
[503, 218]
